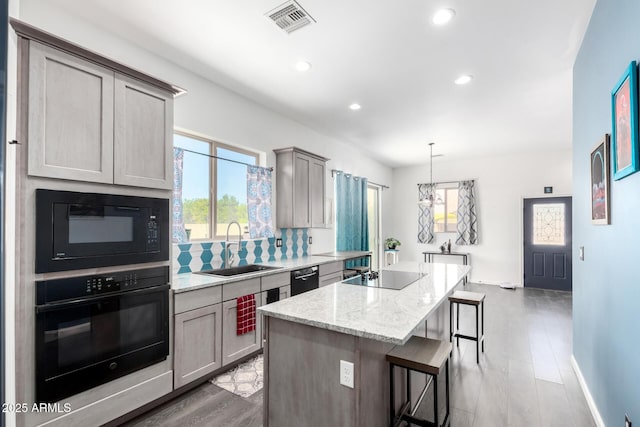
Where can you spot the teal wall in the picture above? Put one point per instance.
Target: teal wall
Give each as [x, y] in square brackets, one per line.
[606, 300]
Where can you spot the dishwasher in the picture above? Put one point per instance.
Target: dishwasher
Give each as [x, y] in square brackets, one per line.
[305, 279]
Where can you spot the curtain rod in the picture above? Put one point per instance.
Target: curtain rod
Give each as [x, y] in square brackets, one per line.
[221, 158]
[333, 172]
[448, 182]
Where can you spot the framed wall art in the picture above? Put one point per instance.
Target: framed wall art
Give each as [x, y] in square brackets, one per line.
[624, 112]
[600, 183]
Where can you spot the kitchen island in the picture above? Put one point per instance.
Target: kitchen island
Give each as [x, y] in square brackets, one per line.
[307, 336]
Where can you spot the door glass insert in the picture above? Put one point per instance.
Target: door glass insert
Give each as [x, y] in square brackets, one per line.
[548, 224]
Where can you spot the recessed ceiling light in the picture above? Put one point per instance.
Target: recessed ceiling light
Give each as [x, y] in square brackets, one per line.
[355, 106]
[463, 80]
[443, 16]
[303, 66]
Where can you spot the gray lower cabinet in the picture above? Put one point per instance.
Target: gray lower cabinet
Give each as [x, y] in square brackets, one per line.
[88, 123]
[205, 326]
[330, 278]
[285, 292]
[330, 272]
[235, 346]
[198, 343]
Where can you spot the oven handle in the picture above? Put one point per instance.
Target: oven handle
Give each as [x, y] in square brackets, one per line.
[70, 303]
[306, 276]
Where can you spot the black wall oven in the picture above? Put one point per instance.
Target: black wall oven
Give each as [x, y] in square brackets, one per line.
[93, 329]
[86, 230]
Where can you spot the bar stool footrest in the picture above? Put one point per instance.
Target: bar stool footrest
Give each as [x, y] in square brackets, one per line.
[468, 337]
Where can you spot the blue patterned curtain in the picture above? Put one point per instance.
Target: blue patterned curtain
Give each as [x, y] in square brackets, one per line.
[467, 232]
[425, 214]
[179, 234]
[259, 202]
[352, 226]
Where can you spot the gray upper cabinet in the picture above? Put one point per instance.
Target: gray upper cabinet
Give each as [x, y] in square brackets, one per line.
[143, 135]
[301, 201]
[300, 181]
[89, 122]
[70, 126]
[317, 192]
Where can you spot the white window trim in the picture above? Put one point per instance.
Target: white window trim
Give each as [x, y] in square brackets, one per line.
[213, 185]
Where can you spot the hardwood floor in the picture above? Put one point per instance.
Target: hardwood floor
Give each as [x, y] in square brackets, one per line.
[207, 405]
[524, 377]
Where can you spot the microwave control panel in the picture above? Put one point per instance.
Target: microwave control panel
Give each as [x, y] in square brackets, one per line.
[153, 240]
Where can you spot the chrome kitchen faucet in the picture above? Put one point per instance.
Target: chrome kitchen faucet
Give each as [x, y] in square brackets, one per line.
[229, 258]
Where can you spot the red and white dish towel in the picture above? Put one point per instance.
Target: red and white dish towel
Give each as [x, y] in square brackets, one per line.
[246, 318]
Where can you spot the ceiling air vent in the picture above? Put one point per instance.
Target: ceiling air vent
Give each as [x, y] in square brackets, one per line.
[290, 16]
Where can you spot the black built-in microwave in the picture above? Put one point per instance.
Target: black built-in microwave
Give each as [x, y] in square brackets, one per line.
[87, 230]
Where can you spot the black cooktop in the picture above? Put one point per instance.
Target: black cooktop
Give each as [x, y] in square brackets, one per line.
[388, 279]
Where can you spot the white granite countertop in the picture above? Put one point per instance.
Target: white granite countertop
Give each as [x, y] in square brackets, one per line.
[191, 281]
[380, 314]
[344, 254]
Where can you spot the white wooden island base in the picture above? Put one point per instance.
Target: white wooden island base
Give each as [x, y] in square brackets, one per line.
[307, 336]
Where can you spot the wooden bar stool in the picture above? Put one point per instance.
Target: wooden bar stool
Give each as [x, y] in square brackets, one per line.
[428, 357]
[467, 298]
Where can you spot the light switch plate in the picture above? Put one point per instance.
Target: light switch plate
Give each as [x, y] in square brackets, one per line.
[346, 373]
[581, 253]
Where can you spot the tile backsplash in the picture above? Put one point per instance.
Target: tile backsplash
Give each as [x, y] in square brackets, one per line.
[199, 256]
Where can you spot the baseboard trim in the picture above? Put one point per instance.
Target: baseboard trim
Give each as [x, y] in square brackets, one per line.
[587, 394]
[482, 282]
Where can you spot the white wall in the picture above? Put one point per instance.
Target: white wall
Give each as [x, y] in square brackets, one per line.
[501, 184]
[213, 111]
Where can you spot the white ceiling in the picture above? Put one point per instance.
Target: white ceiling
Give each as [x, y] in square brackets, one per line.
[387, 56]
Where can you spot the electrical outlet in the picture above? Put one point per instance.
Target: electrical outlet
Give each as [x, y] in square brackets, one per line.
[278, 243]
[627, 421]
[581, 253]
[346, 373]
[310, 240]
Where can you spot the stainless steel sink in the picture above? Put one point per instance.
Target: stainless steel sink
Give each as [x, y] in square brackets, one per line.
[240, 269]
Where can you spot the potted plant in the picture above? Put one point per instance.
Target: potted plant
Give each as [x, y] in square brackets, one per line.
[392, 243]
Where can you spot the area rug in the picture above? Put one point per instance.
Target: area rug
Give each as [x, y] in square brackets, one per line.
[243, 380]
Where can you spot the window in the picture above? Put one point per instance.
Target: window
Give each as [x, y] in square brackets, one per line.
[204, 176]
[548, 224]
[196, 197]
[446, 210]
[231, 188]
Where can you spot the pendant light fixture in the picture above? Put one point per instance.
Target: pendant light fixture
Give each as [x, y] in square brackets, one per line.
[427, 201]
